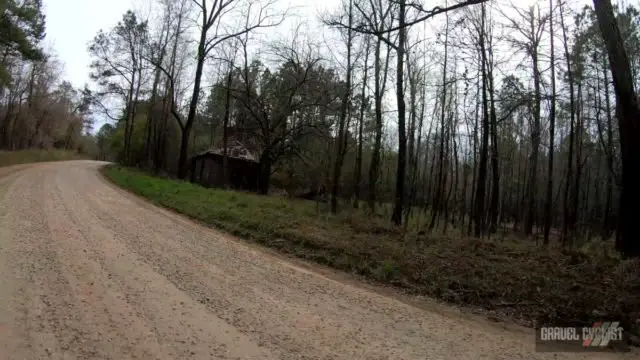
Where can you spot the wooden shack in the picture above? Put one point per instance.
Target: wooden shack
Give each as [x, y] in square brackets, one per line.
[243, 167]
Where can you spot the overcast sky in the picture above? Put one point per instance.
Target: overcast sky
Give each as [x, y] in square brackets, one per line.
[71, 24]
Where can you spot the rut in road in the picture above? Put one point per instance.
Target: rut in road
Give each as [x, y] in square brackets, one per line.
[88, 271]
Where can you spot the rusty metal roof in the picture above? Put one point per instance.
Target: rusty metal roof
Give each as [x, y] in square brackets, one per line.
[235, 149]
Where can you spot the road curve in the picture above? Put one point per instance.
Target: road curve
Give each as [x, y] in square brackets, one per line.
[88, 271]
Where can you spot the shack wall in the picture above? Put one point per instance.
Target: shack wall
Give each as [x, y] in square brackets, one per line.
[207, 171]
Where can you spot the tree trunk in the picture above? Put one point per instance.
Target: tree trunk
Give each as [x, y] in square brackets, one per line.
[225, 128]
[578, 178]
[374, 168]
[380, 82]
[183, 163]
[482, 168]
[264, 179]
[495, 168]
[346, 97]
[532, 182]
[608, 226]
[396, 217]
[150, 127]
[411, 170]
[629, 124]
[414, 165]
[129, 120]
[566, 229]
[474, 181]
[363, 107]
[552, 124]
[438, 192]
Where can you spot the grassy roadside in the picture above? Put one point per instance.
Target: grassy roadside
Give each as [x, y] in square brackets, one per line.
[8, 158]
[508, 278]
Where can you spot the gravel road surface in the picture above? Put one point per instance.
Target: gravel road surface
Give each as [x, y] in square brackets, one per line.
[88, 271]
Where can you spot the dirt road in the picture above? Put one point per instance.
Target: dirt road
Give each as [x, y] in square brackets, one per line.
[88, 271]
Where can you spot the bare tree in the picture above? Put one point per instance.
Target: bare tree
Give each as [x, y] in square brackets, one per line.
[272, 101]
[372, 25]
[567, 225]
[167, 56]
[364, 104]
[343, 122]
[484, 147]
[378, 21]
[552, 124]
[529, 42]
[439, 191]
[118, 67]
[396, 216]
[628, 117]
[214, 31]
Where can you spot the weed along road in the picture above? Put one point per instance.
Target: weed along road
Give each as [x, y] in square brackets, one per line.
[89, 271]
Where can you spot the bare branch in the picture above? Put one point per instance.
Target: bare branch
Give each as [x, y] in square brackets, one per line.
[263, 20]
[426, 14]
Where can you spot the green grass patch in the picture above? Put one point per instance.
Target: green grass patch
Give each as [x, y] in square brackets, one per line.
[506, 277]
[8, 158]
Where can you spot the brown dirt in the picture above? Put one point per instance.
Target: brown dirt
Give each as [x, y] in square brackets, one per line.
[88, 271]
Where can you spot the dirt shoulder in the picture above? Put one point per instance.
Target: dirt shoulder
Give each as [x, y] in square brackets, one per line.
[8, 170]
[9, 158]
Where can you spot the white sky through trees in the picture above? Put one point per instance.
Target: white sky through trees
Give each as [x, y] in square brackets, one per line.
[72, 24]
